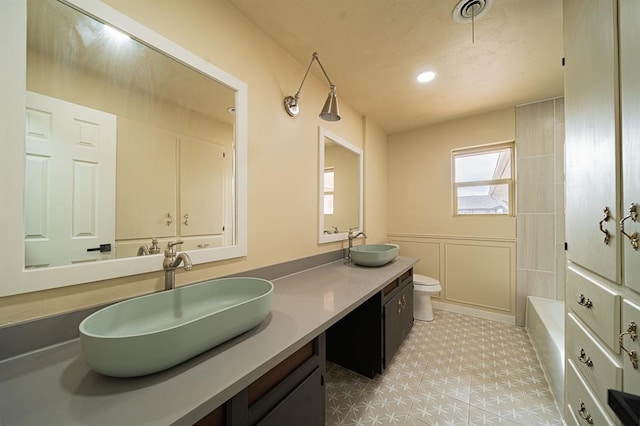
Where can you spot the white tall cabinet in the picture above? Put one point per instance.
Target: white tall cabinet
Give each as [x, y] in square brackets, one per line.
[602, 107]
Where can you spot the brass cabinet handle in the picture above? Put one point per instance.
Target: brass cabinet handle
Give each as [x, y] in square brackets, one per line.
[582, 412]
[607, 216]
[186, 219]
[632, 332]
[633, 215]
[584, 301]
[584, 358]
[169, 219]
[402, 303]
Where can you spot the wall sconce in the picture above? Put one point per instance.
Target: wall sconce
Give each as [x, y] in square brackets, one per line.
[329, 111]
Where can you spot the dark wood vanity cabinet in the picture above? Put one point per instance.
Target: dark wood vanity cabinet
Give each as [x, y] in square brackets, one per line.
[290, 394]
[366, 340]
[398, 320]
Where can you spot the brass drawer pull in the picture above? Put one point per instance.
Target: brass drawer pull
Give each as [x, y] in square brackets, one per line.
[584, 301]
[584, 358]
[402, 303]
[633, 215]
[582, 412]
[633, 355]
[607, 216]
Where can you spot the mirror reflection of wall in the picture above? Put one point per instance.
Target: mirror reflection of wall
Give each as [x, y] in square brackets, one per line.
[341, 188]
[170, 167]
[342, 168]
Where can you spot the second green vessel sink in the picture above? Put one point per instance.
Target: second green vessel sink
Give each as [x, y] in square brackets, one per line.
[154, 332]
[373, 254]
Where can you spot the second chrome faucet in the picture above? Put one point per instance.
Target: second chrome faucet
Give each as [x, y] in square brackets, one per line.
[172, 260]
[351, 237]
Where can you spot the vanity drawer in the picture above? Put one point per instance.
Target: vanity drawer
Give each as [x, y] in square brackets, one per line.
[597, 306]
[597, 367]
[630, 375]
[582, 404]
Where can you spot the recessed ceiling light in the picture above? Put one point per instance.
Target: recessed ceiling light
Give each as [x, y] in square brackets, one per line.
[426, 76]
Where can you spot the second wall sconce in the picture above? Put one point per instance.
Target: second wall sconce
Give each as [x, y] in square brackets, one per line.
[330, 111]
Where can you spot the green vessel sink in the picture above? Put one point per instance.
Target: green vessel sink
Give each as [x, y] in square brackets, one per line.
[154, 332]
[373, 254]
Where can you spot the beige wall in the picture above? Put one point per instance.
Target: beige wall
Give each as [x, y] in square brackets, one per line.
[420, 177]
[473, 257]
[375, 182]
[282, 159]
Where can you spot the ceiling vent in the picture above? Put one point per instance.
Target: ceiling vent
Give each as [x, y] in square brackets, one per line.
[466, 11]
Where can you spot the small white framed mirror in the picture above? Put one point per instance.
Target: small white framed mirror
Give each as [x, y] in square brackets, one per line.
[340, 172]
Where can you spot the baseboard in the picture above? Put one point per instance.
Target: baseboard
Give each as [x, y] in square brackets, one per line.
[478, 313]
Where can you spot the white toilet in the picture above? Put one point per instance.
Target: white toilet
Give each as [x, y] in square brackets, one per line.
[423, 288]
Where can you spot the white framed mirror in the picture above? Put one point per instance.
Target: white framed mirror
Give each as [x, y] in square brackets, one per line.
[340, 190]
[112, 136]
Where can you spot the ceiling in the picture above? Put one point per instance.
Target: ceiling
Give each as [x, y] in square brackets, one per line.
[374, 49]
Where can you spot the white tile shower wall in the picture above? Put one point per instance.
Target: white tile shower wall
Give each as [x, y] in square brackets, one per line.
[540, 202]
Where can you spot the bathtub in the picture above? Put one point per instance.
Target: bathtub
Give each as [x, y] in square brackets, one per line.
[545, 324]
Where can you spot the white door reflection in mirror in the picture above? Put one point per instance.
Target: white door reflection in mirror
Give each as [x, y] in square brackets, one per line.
[69, 183]
[340, 187]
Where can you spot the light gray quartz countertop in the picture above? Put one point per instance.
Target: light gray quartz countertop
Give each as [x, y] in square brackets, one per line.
[54, 386]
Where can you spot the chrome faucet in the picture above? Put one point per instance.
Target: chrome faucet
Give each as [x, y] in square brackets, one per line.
[351, 237]
[171, 261]
[145, 250]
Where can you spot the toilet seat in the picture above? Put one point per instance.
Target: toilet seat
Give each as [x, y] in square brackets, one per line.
[426, 284]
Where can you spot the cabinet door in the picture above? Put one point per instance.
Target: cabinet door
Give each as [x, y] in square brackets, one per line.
[398, 320]
[630, 101]
[303, 406]
[591, 117]
[203, 173]
[146, 181]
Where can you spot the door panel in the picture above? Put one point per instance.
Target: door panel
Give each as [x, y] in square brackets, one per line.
[70, 182]
[398, 320]
[147, 181]
[591, 121]
[202, 187]
[630, 101]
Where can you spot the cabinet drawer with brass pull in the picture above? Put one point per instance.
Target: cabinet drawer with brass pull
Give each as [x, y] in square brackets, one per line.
[597, 306]
[599, 369]
[582, 403]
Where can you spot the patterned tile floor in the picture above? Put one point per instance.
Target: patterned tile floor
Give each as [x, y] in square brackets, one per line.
[456, 370]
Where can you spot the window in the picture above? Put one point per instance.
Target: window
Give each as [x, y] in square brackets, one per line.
[483, 180]
[328, 190]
